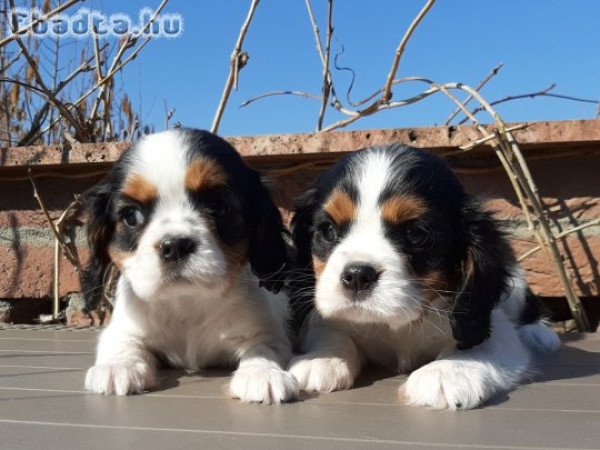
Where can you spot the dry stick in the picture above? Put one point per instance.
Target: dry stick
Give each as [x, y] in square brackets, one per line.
[234, 67]
[471, 145]
[541, 93]
[55, 231]
[561, 235]
[480, 86]
[60, 244]
[326, 71]
[335, 103]
[18, 32]
[64, 112]
[127, 43]
[102, 82]
[384, 101]
[387, 90]
[274, 93]
[531, 191]
[36, 122]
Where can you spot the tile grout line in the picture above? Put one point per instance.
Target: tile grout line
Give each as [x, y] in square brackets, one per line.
[274, 435]
[322, 402]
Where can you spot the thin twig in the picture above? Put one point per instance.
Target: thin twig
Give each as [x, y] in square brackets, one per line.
[561, 235]
[326, 71]
[235, 67]
[489, 137]
[275, 93]
[543, 92]
[65, 113]
[57, 235]
[480, 86]
[387, 89]
[20, 31]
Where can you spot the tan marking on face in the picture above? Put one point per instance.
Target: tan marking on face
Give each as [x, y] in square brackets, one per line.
[340, 207]
[203, 174]
[399, 209]
[318, 266]
[434, 285]
[139, 189]
[236, 256]
[118, 257]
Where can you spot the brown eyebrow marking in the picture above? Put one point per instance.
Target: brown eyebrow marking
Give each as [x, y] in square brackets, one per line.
[399, 209]
[118, 256]
[340, 207]
[139, 189]
[318, 266]
[204, 174]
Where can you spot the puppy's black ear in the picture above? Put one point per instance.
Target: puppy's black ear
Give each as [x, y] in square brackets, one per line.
[267, 252]
[302, 284]
[485, 274]
[301, 227]
[100, 228]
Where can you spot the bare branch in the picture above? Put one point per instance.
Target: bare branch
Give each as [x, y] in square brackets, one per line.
[387, 89]
[275, 93]
[65, 113]
[481, 84]
[235, 66]
[511, 98]
[18, 32]
[565, 233]
[326, 72]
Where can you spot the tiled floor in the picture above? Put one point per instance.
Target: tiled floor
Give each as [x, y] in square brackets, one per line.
[42, 405]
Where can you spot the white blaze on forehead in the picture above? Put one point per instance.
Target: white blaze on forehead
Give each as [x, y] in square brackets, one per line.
[372, 174]
[162, 159]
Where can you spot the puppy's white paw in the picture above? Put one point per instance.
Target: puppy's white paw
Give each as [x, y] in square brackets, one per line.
[263, 384]
[446, 384]
[538, 337]
[322, 374]
[120, 378]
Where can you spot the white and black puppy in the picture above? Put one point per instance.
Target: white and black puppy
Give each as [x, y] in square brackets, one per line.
[193, 232]
[408, 272]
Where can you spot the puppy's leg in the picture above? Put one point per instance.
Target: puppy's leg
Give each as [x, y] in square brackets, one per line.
[123, 365]
[466, 379]
[331, 361]
[261, 377]
[539, 338]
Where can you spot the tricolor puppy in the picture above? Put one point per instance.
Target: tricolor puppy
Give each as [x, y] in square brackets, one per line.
[408, 272]
[199, 246]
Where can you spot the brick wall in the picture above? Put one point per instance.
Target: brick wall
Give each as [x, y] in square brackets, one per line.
[564, 158]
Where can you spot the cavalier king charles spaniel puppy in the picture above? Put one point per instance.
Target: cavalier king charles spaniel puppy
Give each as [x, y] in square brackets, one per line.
[408, 272]
[199, 247]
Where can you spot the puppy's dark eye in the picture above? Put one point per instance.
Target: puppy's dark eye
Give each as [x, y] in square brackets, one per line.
[416, 236]
[328, 231]
[131, 216]
[219, 209]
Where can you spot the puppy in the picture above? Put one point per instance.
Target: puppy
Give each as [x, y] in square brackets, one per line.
[198, 243]
[408, 272]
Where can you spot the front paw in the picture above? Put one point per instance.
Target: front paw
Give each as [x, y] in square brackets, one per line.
[446, 385]
[259, 384]
[323, 374]
[120, 378]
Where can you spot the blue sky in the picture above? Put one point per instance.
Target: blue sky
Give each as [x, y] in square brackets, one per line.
[540, 41]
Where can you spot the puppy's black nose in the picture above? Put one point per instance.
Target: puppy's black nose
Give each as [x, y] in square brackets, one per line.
[176, 248]
[358, 277]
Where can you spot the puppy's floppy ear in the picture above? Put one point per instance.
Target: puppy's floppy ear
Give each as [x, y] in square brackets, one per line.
[267, 252]
[100, 228]
[303, 283]
[301, 227]
[485, 274]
